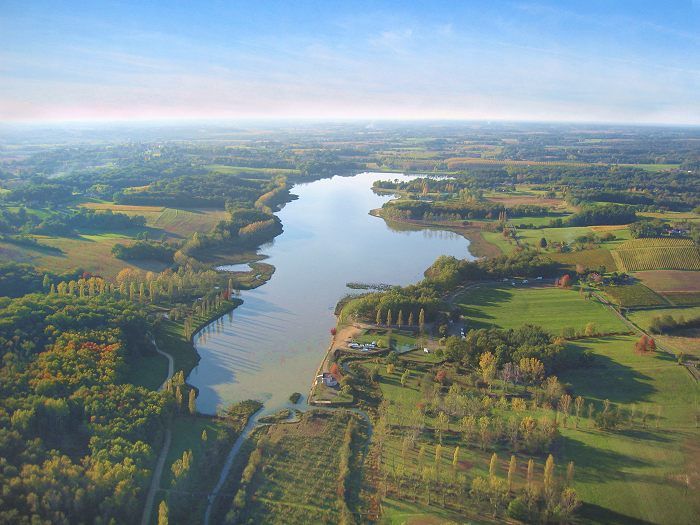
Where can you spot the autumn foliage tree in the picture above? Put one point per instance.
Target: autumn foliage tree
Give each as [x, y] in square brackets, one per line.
[645, 345]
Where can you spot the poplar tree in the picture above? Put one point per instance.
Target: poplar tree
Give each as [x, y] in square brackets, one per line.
[548, 478]
[410, 319]
[512, 466]
[493, 465]
[163, 513]
[530, 472]
[378, 319]
[421, 320]
[389, 318]
[569, 473]
[191, 402]
[399, 319]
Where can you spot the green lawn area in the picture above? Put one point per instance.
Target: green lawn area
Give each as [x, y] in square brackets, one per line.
[635, 474]
[552, 235]
[630, 475]
[402, 339]
[549, 307]
[187, 435]
[148, 371]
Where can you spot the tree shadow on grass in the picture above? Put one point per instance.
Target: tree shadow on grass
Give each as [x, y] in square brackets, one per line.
[598, 465]
[591, 513]
[607, 378]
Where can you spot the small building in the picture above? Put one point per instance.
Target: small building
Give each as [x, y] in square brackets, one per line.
[327, 379]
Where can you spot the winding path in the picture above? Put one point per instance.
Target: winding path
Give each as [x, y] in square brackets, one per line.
[158, 471]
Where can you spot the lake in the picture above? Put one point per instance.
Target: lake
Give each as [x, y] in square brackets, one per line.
[271, 345]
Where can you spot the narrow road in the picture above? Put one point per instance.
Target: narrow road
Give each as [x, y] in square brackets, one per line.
[158, 471]
[211, 498]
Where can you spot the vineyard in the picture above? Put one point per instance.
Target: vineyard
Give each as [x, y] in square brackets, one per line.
[657, 254]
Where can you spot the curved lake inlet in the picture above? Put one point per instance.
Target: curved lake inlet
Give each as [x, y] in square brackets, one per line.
[271, 345]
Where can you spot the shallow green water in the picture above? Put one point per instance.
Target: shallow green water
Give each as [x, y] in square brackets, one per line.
[271, 345]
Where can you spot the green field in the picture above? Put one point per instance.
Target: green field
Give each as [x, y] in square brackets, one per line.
[549, 307]
[636, 474]
[174, 222]
[92, 252]
[566, 235]
[243, 170]
[642, 318]
[187, 435]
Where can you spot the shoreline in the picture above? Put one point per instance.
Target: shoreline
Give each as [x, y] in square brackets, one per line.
[478, 246]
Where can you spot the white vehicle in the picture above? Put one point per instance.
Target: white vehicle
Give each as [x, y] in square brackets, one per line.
[426, 351]
[525, 281]
[539, 279]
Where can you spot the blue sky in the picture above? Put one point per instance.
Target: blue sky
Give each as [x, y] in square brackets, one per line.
[612, 61]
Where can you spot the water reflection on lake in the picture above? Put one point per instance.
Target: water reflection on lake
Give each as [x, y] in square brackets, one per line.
[271, 345]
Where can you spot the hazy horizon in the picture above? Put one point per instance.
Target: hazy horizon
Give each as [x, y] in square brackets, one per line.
[559, 62]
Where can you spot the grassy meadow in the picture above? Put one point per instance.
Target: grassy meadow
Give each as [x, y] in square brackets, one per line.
[505, 306]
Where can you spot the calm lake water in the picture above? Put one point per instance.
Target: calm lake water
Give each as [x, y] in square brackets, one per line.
[271, 345]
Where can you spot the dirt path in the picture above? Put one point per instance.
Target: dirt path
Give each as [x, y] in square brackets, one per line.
[160, 464]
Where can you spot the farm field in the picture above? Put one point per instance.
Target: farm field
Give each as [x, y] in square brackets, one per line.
[657, 254]
[685, 341]
[549, 307]
[243, 170]
[670, 280]
[594, 258]
[177, 223]
[679, 287]
[92, 252]
[634, 295]
[297, 479]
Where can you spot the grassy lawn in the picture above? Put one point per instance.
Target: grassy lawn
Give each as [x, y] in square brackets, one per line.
[560, 235]
[549, 307]
[629, 475]
[635, 474]
[642, 318]
[187, 435]
[148, 371]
